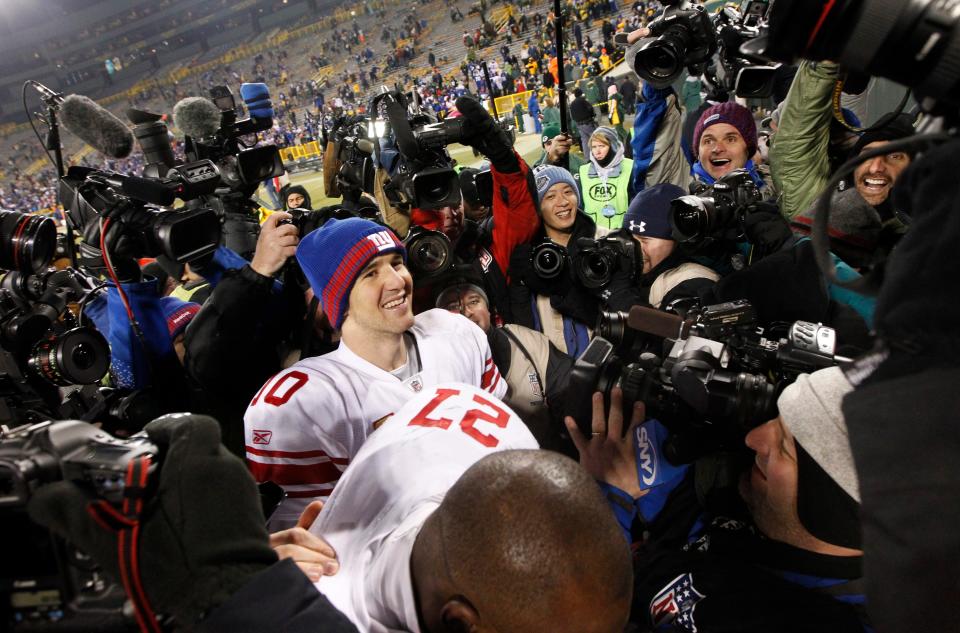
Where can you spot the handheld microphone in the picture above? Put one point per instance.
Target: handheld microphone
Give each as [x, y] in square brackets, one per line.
[257, 99]
[96, 126]
[197, 117]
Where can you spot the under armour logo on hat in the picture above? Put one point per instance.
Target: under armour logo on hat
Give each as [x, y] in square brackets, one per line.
[638, 228]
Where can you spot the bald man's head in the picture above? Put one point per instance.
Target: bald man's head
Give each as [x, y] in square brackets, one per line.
[525, 541]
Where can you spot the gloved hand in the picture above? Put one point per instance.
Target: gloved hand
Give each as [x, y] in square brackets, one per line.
[767, 228]
[483, 134]
[202, 533]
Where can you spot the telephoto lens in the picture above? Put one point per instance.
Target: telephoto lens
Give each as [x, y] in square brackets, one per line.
[913, 42]
[27, 242]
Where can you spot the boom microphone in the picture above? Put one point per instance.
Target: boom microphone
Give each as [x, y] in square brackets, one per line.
[197, 117]
[96, 126]
[657, 322]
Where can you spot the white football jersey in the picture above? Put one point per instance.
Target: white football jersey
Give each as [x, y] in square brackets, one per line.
[394, 483]
[308, 421]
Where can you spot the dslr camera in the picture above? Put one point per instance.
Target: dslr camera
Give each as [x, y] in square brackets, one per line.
[47, 584]
[715, 212]
[597, 260]
[686, 36]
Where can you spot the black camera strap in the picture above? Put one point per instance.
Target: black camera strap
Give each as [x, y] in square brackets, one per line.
[125, 524]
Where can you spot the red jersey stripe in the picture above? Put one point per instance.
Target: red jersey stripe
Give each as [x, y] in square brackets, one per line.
[296, 454]
[322, 473]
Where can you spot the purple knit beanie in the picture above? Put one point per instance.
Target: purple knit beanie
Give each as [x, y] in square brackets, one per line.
[333, 256]
[733, 114]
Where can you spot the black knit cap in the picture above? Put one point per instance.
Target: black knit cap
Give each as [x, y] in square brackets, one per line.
[825, 510]
[895, 128]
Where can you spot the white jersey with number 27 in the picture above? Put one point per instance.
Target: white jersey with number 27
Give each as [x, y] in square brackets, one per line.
[394, 483]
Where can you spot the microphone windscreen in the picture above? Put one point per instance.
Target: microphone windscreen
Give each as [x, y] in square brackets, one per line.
[96, 126]
[257, 99]
[656, 322]
[197, 117]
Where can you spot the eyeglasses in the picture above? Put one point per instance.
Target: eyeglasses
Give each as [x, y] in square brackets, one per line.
[462, 307]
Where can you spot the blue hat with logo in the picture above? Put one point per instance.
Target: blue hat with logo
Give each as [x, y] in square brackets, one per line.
[649, 211]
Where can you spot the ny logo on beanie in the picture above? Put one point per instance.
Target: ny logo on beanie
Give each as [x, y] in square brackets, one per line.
[382, 240]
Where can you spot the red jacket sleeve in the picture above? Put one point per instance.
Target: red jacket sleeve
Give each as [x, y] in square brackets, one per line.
[515, 217]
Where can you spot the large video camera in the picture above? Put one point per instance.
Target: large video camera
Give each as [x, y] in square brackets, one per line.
[49, 585]
[242, 168]
[715, 212]
[686, 36]
[124, 216]
[348, 167]
[421, 171]
[231, 169]
[718, 376]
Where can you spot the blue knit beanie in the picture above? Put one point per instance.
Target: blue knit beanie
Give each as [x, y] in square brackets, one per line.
[546, 176]
[649, 211]
[332, 256]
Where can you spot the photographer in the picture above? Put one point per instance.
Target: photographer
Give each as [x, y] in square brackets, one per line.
[724, 140]
[553, 305]
[796, 566]
[556, 151]
[514, 208]
[865, 224]
[296, 197]
[237, 339]
[534, 369]
[665, 273]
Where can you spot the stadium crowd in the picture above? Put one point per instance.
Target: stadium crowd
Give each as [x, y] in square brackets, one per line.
[627, 386]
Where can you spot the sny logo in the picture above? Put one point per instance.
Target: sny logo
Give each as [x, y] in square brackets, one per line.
[647, 457]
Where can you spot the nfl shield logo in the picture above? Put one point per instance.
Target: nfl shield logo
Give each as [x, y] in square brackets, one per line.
[675, 603]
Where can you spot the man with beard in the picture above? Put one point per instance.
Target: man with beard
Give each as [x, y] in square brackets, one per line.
[864, 224]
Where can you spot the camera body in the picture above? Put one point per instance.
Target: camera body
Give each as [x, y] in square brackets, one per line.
[71, 450]
[715, 212]
[687, 36]
[713, 382]
[596, 260]
[414, 153]
[49, 585]
[682, 37]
